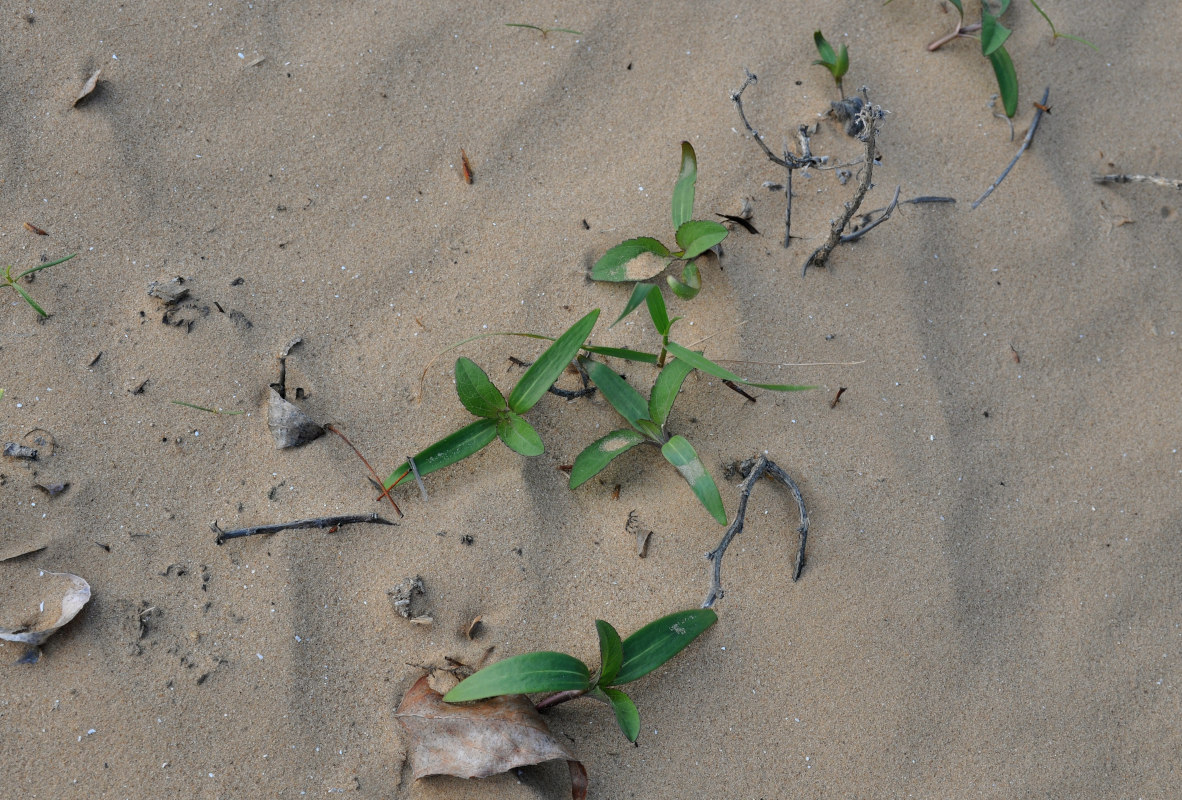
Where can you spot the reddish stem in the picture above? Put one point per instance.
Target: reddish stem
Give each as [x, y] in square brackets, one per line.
[560, 697]
[961, 30]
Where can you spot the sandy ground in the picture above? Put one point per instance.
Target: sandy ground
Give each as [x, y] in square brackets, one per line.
[991, 605]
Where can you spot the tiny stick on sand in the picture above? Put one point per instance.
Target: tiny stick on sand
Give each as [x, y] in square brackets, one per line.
[318, 522]
[756, 468]
[1039, 108]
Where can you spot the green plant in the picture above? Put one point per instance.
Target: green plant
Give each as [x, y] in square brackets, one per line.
[993, 35]
[10, 280]
[621, 662]
[647, 417]
[838, 63]
[645, 257]
[499, 417]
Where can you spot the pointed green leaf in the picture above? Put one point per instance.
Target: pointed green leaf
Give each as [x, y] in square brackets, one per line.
[993, 33]
[611, 652]
[627, 717]
[524, 674]
[699, 235]
[623, 352]
[40, 267]
[959, 7]
[843, 63]
[633, 260]
[519, 436]
[683, 190]
[824, 49]
[651, 429]
[450, 449]
[30, 300]
[665, 390]
[476, 391]
[600, 453]
[640, 293]
[680, 453]
[660, 640]
[1007, 79]
[623, 398]
[657, 312]
[710, 368]
[549, 366]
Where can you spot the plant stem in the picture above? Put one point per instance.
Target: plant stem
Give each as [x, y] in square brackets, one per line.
[560, 697]
[959, 32]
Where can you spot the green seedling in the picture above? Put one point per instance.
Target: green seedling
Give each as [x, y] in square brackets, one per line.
[621, 662]
[993, 35]
[11, 280]
[544, 31]
[203, 408]
[838, 63]
[647, 417]
[498, 416]
[643, 258]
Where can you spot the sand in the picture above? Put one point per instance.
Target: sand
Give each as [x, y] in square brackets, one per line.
[991, 603]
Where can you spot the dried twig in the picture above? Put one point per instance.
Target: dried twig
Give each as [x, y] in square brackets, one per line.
[1039, 108]
[860, 232]
[1124, 178]
[869, 116]
[376, 481]
[789, 161]
[755, 469]
[318, 522]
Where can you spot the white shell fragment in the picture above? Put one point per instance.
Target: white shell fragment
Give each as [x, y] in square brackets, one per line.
[33, 606]
[290, 426]
[88, 87]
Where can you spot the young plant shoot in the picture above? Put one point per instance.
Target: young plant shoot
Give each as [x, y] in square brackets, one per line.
[497, 416]
[621, 662]
[643, 258]
[11, 280]
[647, 417]
[837, 62]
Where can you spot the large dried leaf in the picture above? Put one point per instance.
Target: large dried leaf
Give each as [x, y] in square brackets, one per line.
[35, 604]
[479, 739]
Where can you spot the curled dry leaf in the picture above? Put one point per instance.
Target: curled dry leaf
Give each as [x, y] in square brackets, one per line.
[475, 740]
[34, 605]
[88, 87]
[290, 426]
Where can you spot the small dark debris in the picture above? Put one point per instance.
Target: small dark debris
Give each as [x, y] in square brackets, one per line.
[642, 534]
[95, 360]
[240, 280]
[467, 539]
[138, 388]
[106, 547]
[847, 112]
[586, 225]
[409, 599]
[14, 450]
[474, 627]
[240, 321]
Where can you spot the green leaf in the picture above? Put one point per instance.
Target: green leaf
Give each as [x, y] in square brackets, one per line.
[627, 717]
[449, 450]
[660, 640]
[825, 50]
[843, 63]
[30, 300]
[993, 34]
[600, 453]
[40, 267]
[690, 284]
[476, 391]
[611, 652]
[710, 368]
[624, 263]
[622, 352]
[657, 312]
[665, 390]
[959, 8]
[683, 190]
[640, 292]
[1007, 79]
[699, 235]
[623, 398]
[549, 366]
[519, 436]
[524, 674]
[680, 453]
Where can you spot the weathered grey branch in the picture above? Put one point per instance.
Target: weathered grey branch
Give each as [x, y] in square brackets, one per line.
[318, 522]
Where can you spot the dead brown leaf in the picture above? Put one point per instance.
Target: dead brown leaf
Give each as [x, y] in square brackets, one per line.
[475, 740]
